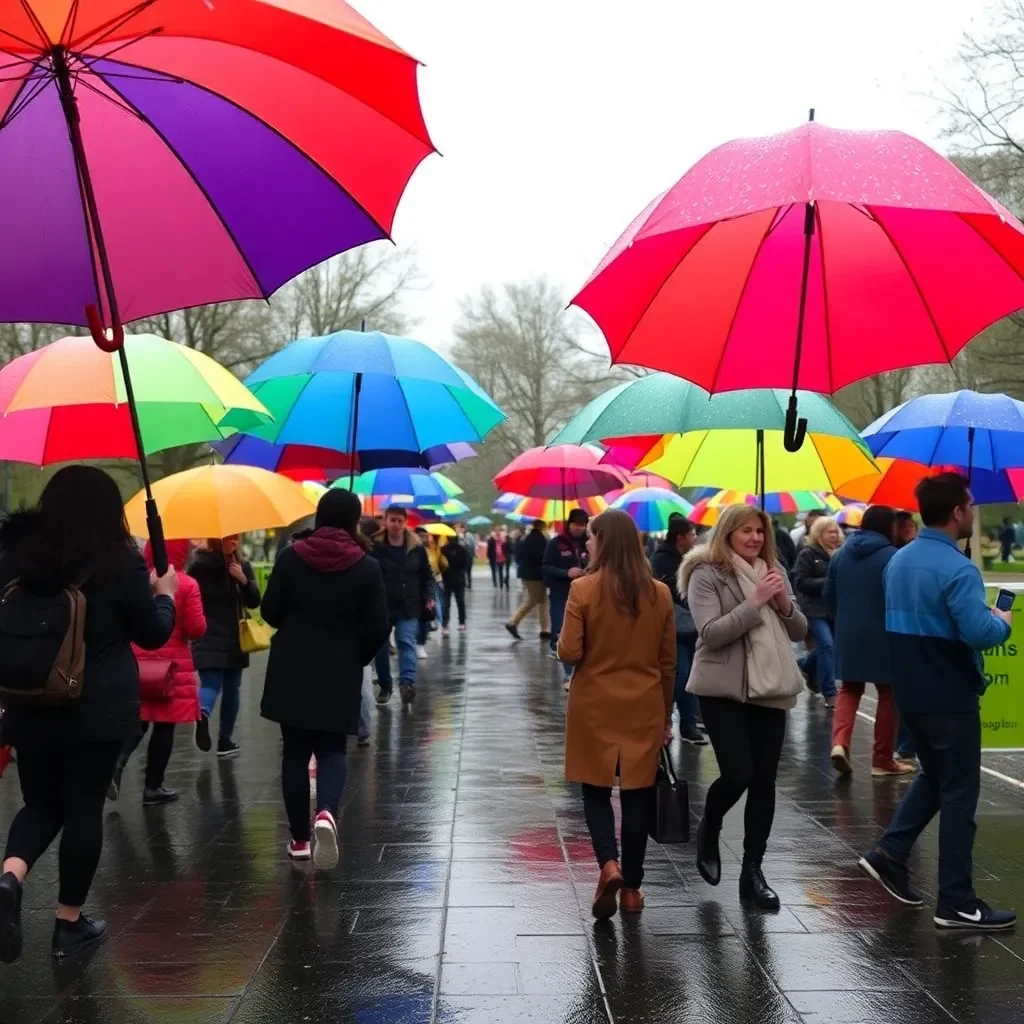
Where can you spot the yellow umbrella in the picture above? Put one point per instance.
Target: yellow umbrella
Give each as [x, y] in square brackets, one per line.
[314, 491]
[440, 530]
[218, 501]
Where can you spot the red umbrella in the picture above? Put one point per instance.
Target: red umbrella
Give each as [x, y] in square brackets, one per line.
[564, 472]
[809, 259]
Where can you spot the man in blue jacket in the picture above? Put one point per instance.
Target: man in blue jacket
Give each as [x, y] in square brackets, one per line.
[937, 624]
[564, 559]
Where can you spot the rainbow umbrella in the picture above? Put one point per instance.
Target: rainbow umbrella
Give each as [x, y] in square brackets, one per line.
[67, 402]
[707, 511]
[451, 509]
[421, 487]
[652, 507]
[556, 511]
[851, 515]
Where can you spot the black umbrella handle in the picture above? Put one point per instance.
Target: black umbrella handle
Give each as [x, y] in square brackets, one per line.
[157, 545]
[796, 428]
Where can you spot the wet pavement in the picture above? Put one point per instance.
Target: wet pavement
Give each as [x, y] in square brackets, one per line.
[466, 875]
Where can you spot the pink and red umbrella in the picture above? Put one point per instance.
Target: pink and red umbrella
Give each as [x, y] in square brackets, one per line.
[563, 472]
[809, 259]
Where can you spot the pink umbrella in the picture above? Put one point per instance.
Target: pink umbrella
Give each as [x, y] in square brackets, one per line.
[809, 259]
[564, 472]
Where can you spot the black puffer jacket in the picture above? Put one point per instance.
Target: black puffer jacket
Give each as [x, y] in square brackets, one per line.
[459, 561]
[408, 580]
[809, 576]
[120, 610]
[531, 556]
[223, 601]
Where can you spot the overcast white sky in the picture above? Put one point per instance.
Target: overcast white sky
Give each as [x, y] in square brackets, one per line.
[558, 120]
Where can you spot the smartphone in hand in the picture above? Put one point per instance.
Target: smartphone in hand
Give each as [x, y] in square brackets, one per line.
[1004, 600]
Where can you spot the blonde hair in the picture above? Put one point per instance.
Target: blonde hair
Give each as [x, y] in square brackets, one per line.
[818, 527]
[731, 519]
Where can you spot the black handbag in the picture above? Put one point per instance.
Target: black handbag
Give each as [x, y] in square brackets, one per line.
[670, 813]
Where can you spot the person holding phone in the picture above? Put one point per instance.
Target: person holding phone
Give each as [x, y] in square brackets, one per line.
[937, 624]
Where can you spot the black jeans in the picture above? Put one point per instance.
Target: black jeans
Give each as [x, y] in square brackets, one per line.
[949, 784]
[747, 740]
[456, 589]
[496, 574]
[597, 809]
[299, 745]
[161, 743]
[64, 787]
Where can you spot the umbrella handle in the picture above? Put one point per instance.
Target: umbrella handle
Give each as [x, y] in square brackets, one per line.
[99, 332]
[157, 545]
[796, 429]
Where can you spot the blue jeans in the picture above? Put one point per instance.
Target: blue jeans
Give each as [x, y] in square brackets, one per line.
[824, 655]
[904, 741]
[365, 706]
[224, 683]
[688, 704]
[298, 746]
[558, 600]
[405, 637]
[949, 784]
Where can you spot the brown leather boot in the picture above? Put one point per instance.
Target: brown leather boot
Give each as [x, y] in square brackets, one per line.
[631, 901]
[608, 886]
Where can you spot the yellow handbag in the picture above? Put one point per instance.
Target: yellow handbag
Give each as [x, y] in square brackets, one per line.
[253, 634]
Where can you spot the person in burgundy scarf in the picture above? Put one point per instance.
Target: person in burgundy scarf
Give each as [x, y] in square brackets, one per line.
[326, 600]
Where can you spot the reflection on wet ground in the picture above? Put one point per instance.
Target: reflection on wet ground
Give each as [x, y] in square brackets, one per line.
[464, 886]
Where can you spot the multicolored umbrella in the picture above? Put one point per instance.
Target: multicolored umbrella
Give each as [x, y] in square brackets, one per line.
[67, 402]
[417, 485]
[551, 510]
[851, 515]
[652, 507]
[562, 471]
[219, 501]
[707, 511]
[809, 259]
[507, 502]
[166, 154]
[451, 509]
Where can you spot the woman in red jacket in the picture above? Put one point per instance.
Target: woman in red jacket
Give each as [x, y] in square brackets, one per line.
[168, 683]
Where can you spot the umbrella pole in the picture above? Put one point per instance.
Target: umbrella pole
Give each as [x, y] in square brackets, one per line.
[94, 314]
[970, 473]
[355, 429]
[760, 467]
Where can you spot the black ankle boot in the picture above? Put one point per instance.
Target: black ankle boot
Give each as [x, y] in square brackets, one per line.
[10, 918]
[709, 860]
[754, 889]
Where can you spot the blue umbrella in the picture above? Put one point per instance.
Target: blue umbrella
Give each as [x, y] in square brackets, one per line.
[479, 521]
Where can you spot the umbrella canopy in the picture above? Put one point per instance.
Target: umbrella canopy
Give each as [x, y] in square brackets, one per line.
[507, 502]
[67, 401]
[479, 521]
[218, 501]
[852, 515]
[440, 530]
[421, 487]
[964, 428]
[561, 471]
[552, 510]
[707, 510]
[364, 392]
[313, 490]
[652, 507]
[451, 509]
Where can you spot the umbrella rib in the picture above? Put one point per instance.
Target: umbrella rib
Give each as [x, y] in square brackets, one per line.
[24, 99]
[992, 247]
[824, 298]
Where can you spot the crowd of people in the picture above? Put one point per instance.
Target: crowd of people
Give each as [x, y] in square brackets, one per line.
[707, 625]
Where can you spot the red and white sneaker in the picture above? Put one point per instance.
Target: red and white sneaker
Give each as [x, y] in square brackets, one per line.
[299, 851]
[325, 847]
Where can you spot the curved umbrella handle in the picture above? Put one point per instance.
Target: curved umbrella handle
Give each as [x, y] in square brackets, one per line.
[99, 332]
[796, 429]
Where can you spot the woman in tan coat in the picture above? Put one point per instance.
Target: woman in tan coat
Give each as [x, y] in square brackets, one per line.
[620, 635]
[746, 677]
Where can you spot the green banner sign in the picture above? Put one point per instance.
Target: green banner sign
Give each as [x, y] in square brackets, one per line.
[1002, 707]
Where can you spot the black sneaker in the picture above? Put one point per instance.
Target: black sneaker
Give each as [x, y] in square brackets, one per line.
[10, 918]
[161, 795]
[114, 789]
[384, 697]
[977, 916]
[203, 741]
[227, 748]
[694, 735]
[513, 631]
[407, 693]
[70, 937]
[892, 877]
[544, 635]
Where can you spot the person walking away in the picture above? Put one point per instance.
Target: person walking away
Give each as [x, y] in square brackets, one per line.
[746, 677]
[180, 705]
[505, 549]
[937, 623]
[531, 572]
[468, 542]
[665, 562]
[619, 633]
[453, 581]
[408, 584]
[565, 558]
[1007, 538]
[227, 585]
[438, 563]
[326, 600]
[493, 551]
[854, 596]
[76, 537]
[809, 575]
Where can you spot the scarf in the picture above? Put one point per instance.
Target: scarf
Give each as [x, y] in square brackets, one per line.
[772, 671]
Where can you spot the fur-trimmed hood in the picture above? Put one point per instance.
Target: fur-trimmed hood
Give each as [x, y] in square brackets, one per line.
[700, 555]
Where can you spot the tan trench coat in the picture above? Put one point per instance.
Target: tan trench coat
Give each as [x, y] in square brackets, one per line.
[621, 695]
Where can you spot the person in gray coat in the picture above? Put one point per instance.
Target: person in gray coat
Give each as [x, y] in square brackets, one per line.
[746, 676]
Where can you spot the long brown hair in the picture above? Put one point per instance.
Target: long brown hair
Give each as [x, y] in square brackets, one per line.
[619, 557]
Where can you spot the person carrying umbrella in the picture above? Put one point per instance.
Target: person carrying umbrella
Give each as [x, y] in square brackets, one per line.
[565, 558]
[531, 572]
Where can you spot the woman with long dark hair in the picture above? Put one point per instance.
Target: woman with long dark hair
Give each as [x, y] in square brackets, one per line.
[619, 634]
[66, 754]
[326, 599]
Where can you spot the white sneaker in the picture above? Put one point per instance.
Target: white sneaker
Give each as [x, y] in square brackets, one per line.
[421, 652]
[325, 846]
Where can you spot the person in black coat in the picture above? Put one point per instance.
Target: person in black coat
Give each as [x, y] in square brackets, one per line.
[493, 543]
[228, 586]
[454, 578]
[785, 549]
[531, 572]
[326, 599]
[809, 576]
[565, 558]
[66, 754]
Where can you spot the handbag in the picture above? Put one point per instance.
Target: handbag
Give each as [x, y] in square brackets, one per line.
[156, 678]
[685, 626]
[670, 815]
[253, 634]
